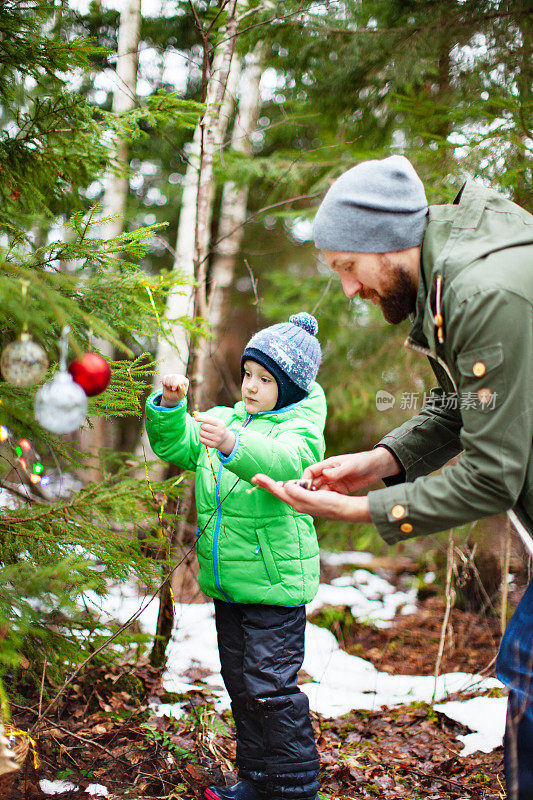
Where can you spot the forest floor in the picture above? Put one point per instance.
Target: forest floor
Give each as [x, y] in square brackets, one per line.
[104, 738]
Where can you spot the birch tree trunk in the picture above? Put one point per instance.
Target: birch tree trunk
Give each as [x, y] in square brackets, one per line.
[124, 99]
[182, 302]
[231, 226]
[116, 191]
[193, 261]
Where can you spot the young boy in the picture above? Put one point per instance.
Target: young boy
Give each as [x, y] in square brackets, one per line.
[258, 557]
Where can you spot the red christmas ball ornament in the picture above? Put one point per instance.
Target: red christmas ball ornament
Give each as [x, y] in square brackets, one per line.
[91, 372]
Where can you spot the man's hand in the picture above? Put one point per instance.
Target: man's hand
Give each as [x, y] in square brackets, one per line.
[349, 473]
[175, 388]
[322, 503]
[214, 433]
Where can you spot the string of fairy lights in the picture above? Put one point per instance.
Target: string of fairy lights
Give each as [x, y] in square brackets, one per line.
[28, 458]
[60, 404]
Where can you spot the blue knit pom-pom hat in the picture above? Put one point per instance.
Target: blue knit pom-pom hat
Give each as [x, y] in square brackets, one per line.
[291, 353]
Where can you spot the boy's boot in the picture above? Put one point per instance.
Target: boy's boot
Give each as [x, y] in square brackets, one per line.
[251, 786]
[243, 790]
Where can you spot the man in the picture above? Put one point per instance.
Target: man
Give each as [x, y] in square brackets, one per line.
[465, 273]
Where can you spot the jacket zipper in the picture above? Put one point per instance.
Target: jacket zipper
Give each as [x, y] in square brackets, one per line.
[216, 535]
[218, 523]
[425, 351]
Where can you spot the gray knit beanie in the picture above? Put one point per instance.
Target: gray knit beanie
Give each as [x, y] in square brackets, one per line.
[291, 347]
[374, 207]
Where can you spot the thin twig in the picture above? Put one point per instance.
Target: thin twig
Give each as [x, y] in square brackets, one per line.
[434, 777]
[505, 576]
[324, 293]
[57, 725]
[42, 685]
[205, 47]
[253, 281]
[276, 18]
[449, 603]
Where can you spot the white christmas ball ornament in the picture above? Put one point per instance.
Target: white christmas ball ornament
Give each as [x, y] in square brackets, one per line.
[60, 405]
[23, 362]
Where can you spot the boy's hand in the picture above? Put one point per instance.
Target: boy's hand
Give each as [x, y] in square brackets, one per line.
[214, 433]
[174, 389]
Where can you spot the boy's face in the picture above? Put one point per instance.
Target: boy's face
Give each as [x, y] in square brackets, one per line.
[259, 389]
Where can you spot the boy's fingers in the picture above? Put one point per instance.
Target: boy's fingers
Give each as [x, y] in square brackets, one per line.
[209, 430]
[204, 418]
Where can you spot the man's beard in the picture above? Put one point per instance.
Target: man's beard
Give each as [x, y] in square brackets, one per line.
[398, 297]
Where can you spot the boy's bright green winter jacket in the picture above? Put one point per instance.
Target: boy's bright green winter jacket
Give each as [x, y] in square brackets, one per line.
[253, 548]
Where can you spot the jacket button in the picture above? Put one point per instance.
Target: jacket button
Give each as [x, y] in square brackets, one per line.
[406, 527]
[398, 511]
[479, 369]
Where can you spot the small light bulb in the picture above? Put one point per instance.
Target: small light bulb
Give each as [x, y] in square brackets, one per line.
[4, 433]
[23, 463]
[25, 444]
[35, 478]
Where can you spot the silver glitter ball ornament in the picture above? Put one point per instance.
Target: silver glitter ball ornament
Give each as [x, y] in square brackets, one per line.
[60, 405]
[24, 362]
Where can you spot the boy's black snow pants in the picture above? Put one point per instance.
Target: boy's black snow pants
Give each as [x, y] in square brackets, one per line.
[261, 650]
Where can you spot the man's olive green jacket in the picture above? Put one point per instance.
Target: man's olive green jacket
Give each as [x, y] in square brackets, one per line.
[474, 319]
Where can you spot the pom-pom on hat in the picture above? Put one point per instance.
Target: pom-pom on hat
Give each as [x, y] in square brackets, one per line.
[378, 206]
[291, 352]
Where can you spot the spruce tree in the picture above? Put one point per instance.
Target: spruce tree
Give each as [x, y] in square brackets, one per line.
[57, 542]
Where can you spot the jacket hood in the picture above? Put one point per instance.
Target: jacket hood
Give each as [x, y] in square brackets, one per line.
[478, 223]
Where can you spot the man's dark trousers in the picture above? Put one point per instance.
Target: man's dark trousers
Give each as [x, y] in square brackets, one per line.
[261, 650]
[514, 667]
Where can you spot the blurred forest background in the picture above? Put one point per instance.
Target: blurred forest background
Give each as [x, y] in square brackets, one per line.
[160, 169]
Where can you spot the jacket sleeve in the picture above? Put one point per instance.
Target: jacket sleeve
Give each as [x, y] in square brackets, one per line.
[173, 434]
[428, 440]
[295, 445]
[491, 330]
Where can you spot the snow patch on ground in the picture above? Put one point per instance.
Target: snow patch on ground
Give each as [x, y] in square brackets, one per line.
[343, 682]
[60, 787]
[97, 789]
[57, 787]
[347, 557]
[8, 500]
[371, 598]
[340, 682]
[483, 715]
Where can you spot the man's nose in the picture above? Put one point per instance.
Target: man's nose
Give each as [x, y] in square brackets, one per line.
[350, 286]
